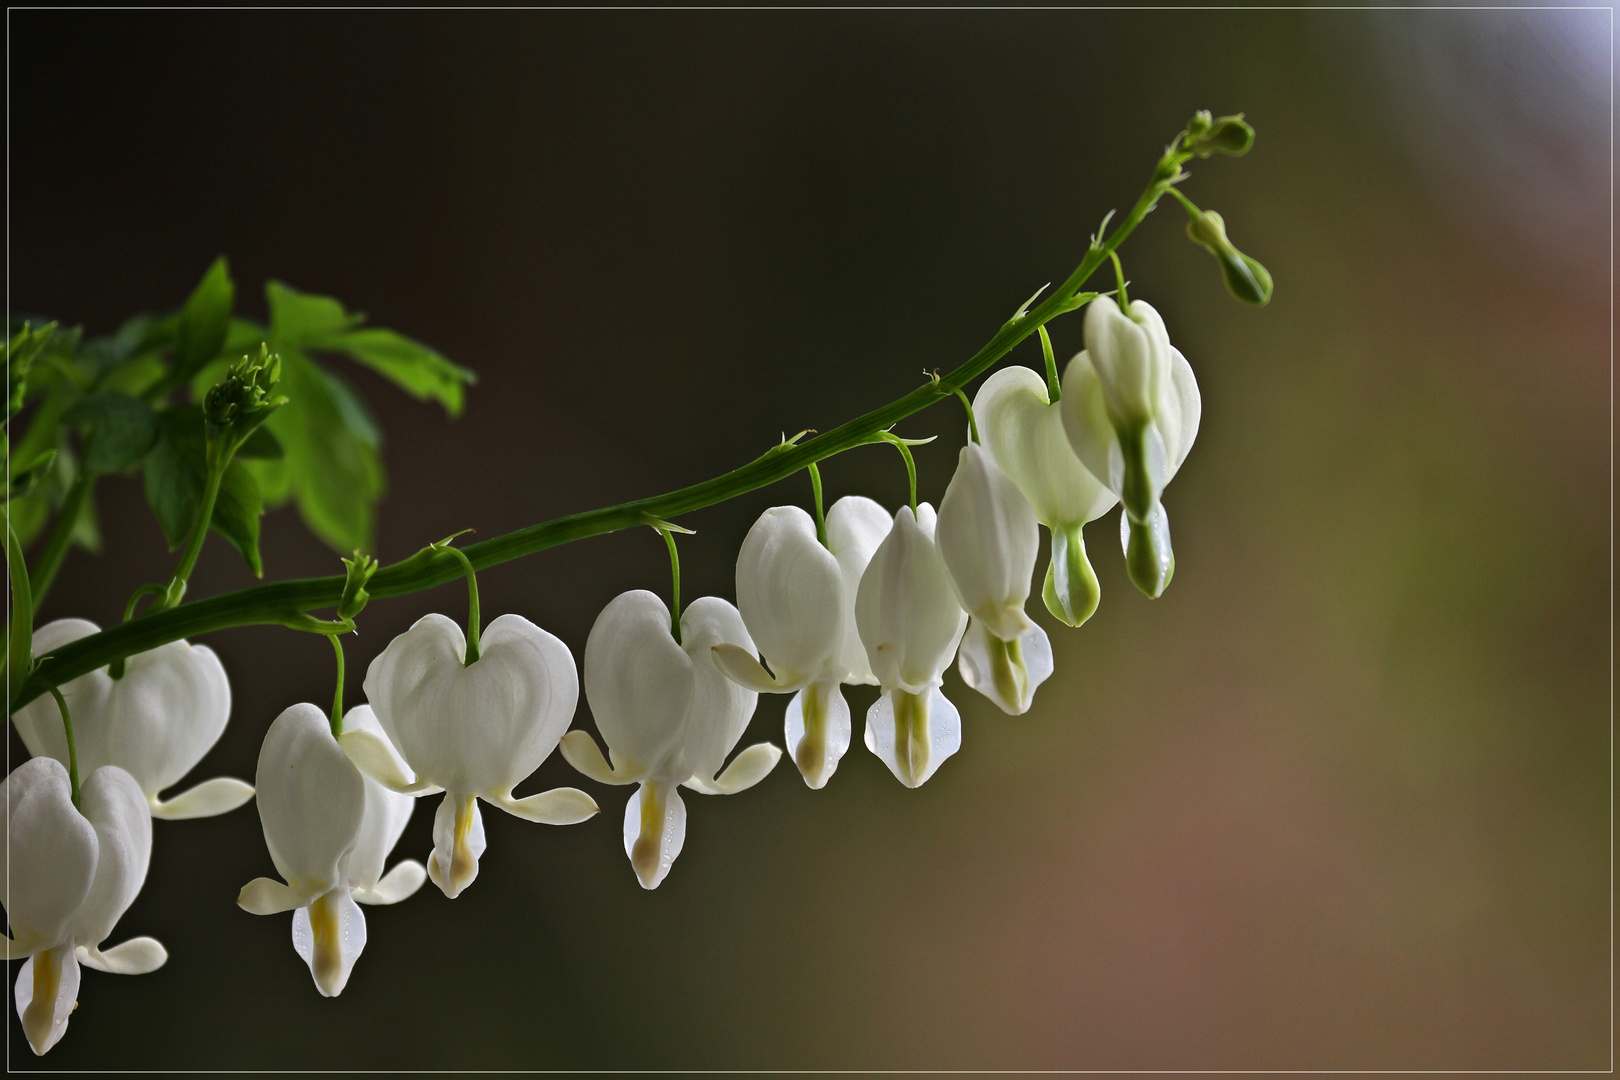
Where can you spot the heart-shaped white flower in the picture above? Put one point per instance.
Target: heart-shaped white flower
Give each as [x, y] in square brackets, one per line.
[1023, 432]
[910, 622]
[669, 717]
[156, 721]
[797, 597]
[329, 830]
[74, 871]
[988, 539]
[474, 731]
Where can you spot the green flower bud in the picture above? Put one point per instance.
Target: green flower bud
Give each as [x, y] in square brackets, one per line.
[1149, 559]
[240, 402]
[1229, 135]
[1071, 591]
[1246, 279]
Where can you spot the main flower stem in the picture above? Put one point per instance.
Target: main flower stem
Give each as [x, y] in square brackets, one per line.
[275, 602]
[199, 533]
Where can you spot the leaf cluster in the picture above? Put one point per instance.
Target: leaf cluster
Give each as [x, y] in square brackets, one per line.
[145, 400]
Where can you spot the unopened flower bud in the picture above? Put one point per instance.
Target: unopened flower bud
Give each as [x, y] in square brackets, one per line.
[241, 401]
[1245, 278]
[1149, 559]
[1229, 135]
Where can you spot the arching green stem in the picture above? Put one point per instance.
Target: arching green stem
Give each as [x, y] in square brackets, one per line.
[1054, 386]
[821, 517]
[1119, 276]
[337, 695]
[269, 603]
[473, 624]
[674, 585]
[911, 465]
[73, 751]
[973, 425]
[116, 668]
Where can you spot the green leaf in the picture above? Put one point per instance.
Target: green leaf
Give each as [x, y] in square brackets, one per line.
[119, 430]
[25, 479]
[410, 365]
[176, 471]
[204, 322]
[298, 318]
[22, 349]
[19, 647]
[332, 466]
[261, 445]
[236, 513]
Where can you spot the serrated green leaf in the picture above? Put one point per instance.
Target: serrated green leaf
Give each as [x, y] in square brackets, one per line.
[25, 479]
[203, 322]
[176, 470]
[236, 513]
[418, 370]
[262, 446]
[297, 318]
[119, 430]
[331, 468]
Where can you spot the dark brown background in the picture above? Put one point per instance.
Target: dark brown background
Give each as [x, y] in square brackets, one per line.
[1337, 801]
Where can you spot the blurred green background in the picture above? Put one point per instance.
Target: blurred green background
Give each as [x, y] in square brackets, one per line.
[1338, 800]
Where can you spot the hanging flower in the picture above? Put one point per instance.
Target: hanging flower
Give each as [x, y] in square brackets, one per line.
[156, 721]
[669, 718]
[74, 871]
[1131, 410]
[1023, 433]
[988, 539]
[797, 598]
[910, 622]
[472, 730]
[329, 830]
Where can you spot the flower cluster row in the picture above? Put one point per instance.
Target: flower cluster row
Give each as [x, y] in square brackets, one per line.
[861, 597]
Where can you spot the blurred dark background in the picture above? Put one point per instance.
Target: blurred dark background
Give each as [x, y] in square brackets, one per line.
[1338, 800]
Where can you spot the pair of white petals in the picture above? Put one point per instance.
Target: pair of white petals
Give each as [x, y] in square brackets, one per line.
[329, 830]
[474, 731]
[797, 599]
[74, 871]
[911, 622]
[988, 538]
[669, 716]
[156, 722]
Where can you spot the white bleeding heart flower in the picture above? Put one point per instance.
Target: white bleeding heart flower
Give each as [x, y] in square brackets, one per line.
[910, 622]
[669, 717]
[1131, 409]
[156, 722]
[329, 830]
[74, 871]
[988, 539]
[797, 598]
[1023, 432]
[474, 731]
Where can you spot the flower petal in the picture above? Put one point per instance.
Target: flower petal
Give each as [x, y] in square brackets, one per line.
[817, 727]
[267, 896]
[788, 593]
[47, 992]
[745, 670]
[746, 769]
[137, 956]
[220, 795]
[856, 526]
[375, 758]
[928, 730]
[906, 608]
[559, 806]
[581, 751]
[386, 812]
[50, 850]
[311, 799]
[720, 709]
[654, 831]
[330, 934]
[458, 842]
[988, 539]
[398, 884]
[639, 683]
[1006, 672]
[1024, 433]
[113, 802]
